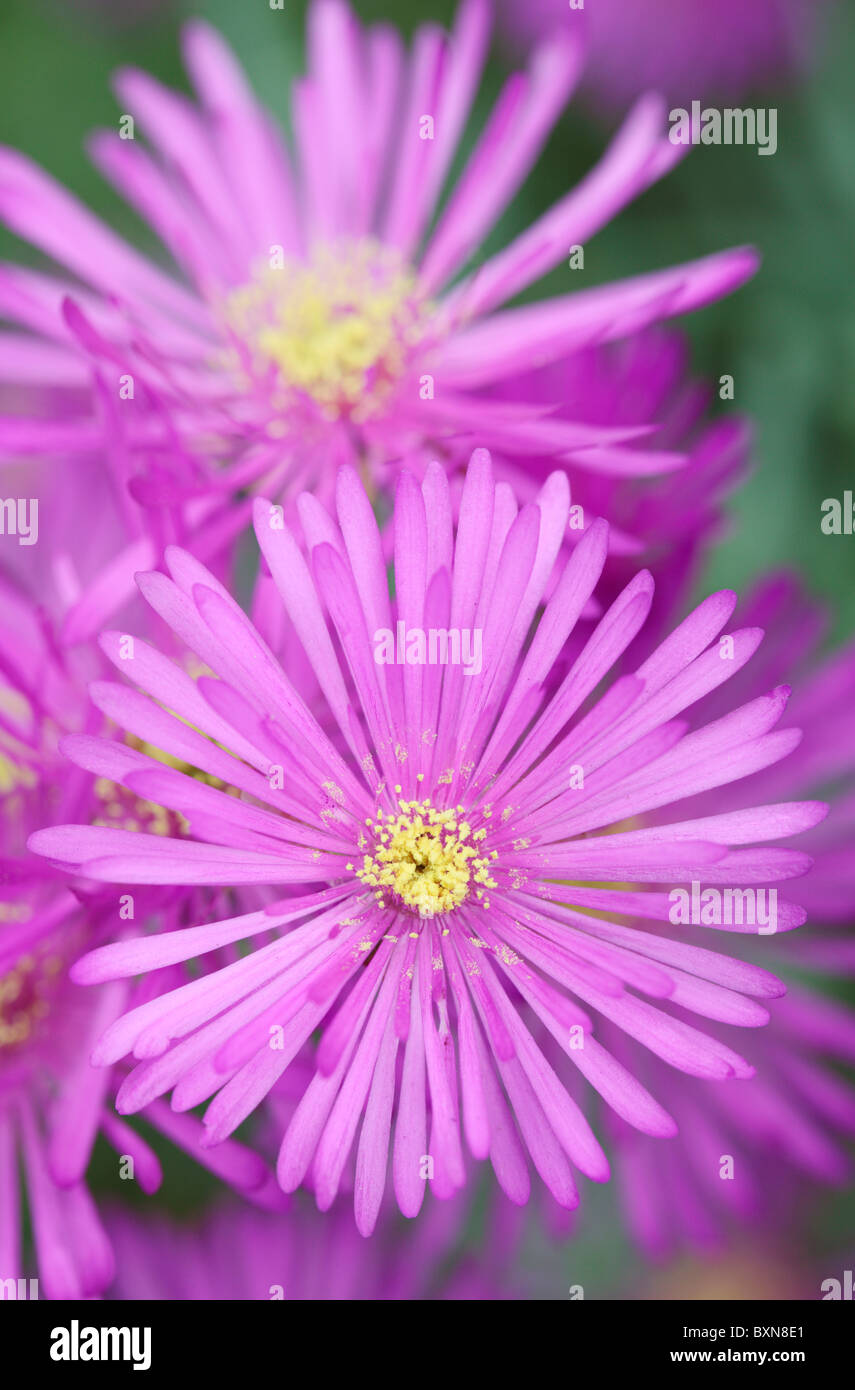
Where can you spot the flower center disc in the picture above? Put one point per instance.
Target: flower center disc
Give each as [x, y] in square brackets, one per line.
[428, 860]
[338, 328]
[26, 993]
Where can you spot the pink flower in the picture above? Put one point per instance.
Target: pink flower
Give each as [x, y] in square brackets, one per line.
[53, 1104]
[92, 536]
[329, 304]
[684, 49]
[454, 858]
[237, 1254]
[747, 1150]
[665, 516]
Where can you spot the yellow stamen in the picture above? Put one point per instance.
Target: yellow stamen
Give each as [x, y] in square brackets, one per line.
[121, 809]
[423, 858]
[339, 327]
[26, 993]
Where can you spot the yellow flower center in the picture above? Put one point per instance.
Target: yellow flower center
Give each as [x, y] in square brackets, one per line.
[120, 809]
[339, 327]
[429, 860]
[26, 993]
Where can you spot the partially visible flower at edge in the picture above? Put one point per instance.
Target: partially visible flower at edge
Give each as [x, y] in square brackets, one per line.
[746, 1152]
[235, 1253]
[53, 1103]
[686, 50]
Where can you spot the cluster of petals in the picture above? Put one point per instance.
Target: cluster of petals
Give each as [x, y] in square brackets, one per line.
[326, 302]
[431, 1022]
[53, 1103]
[786, 1131]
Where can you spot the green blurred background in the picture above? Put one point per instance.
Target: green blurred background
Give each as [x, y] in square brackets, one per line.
[788, 339]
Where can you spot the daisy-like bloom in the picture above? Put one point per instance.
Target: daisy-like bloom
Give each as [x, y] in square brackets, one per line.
[237, 1254]
[687, 51]
[328, 304]
[456, 857]
[53, 1104]
[747, 1151]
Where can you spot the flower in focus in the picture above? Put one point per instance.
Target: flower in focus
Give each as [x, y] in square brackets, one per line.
[330, 305]
[53, 1103]
[747, 1150]
[685, 50]
[455, 858]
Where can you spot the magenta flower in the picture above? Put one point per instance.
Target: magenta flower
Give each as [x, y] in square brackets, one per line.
[669, 520]
[455, 857]
[53, 1103]
[685, 50]
[328, 305]
[748, 1151]
[237, 1254]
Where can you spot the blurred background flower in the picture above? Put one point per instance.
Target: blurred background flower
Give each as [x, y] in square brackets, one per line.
[235, 1253]
[682, 48]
